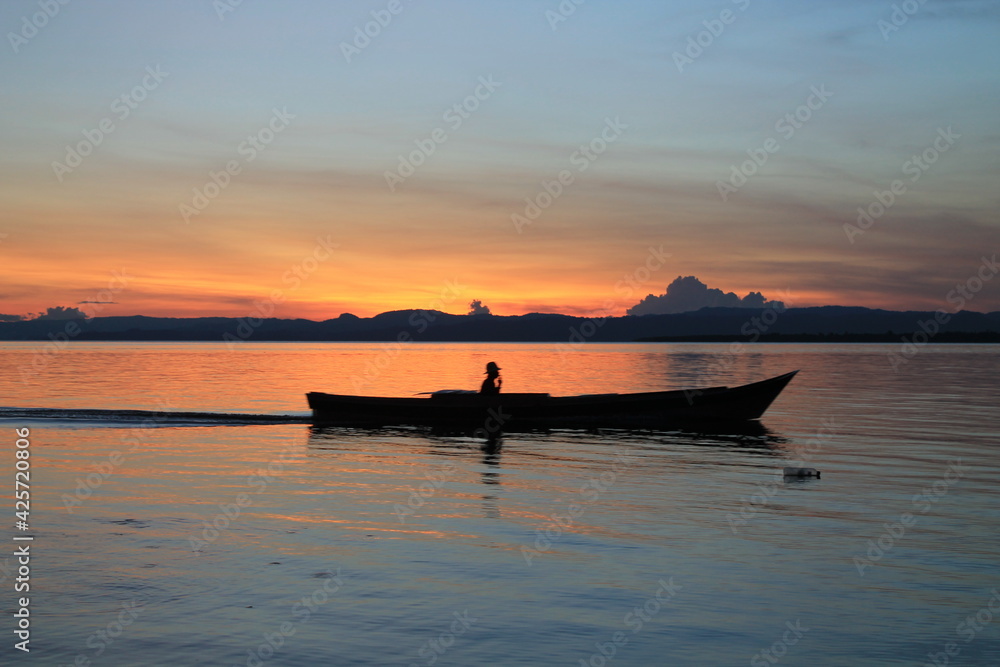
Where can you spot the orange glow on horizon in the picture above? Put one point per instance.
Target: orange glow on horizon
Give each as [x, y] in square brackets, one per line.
[223, 266]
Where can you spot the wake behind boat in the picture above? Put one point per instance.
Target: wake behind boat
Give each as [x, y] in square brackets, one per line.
[503, 411]
[145, 418]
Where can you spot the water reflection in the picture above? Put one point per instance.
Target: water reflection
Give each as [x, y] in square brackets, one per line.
[753, 437]
[491, 450]
[333, 503]
[490, 476]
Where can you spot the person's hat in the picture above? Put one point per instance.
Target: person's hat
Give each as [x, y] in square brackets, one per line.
[492, 366]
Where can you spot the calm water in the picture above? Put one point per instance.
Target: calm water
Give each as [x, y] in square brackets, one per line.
[404, 547]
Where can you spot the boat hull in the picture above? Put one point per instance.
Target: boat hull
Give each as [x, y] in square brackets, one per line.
[507, 411]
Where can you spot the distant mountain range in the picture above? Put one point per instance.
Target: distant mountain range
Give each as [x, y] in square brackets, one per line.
[827, 323]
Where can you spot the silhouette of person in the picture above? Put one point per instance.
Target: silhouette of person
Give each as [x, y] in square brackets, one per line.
[491, 385]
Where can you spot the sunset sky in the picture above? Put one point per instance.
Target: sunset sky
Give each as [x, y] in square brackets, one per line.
[115, 112]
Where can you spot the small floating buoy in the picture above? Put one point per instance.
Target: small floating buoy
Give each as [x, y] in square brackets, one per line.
[802, 472]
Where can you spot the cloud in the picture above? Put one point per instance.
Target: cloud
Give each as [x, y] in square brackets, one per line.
[99, 302]
[10, 318]
[61, 313]
[688, 293]
[477, 308]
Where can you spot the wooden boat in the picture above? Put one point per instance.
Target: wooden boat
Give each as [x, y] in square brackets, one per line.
[505, 411]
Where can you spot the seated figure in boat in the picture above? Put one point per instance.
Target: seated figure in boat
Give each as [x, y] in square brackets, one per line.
[491, 385]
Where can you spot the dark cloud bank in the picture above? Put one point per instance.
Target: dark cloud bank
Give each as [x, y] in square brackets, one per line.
[687, 294]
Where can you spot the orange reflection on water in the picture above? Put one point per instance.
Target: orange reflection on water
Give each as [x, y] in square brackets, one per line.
[274, 377]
